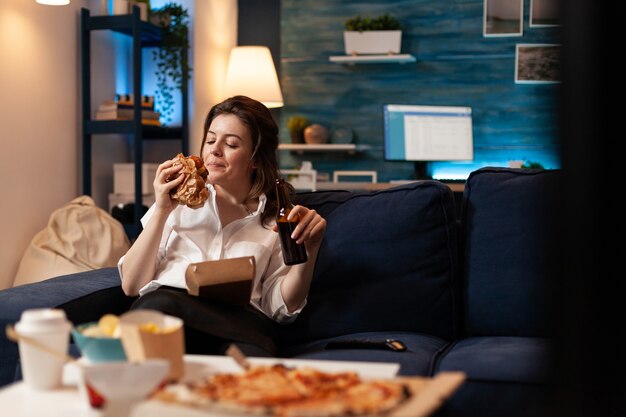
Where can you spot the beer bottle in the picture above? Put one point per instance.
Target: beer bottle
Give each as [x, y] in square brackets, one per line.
[293, 253]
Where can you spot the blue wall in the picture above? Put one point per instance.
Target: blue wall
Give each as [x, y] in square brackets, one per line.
[455, 65]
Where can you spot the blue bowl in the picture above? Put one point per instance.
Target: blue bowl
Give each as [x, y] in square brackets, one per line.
[98, 349]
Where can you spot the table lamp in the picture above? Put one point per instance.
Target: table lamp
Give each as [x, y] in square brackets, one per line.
[54, 2]
[251, 73]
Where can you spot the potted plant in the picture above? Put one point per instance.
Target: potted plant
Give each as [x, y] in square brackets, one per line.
[296, 125]
[533, 165]
[378, 35]
[172, 66]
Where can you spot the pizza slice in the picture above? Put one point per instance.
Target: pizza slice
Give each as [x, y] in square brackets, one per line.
[279, 391]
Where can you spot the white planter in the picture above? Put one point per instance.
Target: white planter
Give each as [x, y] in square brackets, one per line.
[372, 42]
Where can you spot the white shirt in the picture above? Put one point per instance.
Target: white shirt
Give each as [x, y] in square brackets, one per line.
[196, 235]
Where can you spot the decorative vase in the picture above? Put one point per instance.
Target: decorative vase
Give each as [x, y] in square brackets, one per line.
[372, 42]
[315, 134]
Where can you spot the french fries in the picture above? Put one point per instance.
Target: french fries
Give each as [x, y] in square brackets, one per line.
[109, 326]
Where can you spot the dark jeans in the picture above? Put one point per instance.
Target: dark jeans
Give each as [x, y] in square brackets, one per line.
[211, 327]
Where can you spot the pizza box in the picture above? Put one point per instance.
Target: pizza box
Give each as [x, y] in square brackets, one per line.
[427, 394]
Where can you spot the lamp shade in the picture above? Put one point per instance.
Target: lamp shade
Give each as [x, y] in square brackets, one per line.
[251, 73]
[54, 2]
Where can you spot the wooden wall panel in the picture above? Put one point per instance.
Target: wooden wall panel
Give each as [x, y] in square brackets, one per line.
[455, 65]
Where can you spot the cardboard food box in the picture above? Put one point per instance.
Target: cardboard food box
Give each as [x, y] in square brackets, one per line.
[226, 281]
[149, 334]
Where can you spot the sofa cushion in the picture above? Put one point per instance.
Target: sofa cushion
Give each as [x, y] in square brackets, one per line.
[497, 399]
[499, 358]
[509, 230]
[388, 262]
[500, 371]
[418, 358]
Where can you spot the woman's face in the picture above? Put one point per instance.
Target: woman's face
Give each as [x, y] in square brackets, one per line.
[227, 152]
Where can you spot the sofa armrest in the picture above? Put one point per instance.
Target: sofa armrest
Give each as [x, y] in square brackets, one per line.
[73, 293]
[55, 292]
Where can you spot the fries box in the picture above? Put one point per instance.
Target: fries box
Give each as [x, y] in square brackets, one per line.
[226, 281]
[150, 334]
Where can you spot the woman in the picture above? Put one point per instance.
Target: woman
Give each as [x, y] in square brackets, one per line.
[239, 152]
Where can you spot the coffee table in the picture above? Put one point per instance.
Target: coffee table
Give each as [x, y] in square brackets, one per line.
[19, 400]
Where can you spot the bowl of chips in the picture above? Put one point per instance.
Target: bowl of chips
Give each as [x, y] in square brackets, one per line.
[100, 341]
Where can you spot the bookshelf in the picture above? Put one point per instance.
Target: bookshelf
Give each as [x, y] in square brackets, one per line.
[144, 35]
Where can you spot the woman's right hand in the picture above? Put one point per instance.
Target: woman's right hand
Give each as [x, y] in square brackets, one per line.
[139, 266]
[162, 187]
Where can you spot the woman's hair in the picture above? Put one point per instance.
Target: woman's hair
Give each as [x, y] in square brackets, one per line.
[264, 133]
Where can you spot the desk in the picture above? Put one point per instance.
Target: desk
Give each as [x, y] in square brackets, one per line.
[373, 186]
[18, 400]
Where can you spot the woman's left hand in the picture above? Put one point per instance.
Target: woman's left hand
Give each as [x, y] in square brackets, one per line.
[311, 227]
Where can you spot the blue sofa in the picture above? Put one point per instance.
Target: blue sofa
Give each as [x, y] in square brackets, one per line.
[464, 292]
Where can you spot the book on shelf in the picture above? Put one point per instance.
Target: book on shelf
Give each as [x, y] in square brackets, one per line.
[107, 105]
[151, 122]
[145, 122]
[126, 114]
[123, 109]
[127, 100]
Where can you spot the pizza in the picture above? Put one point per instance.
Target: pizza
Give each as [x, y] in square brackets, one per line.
[281, 391]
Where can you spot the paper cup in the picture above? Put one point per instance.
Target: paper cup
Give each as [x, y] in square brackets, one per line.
[43, 370]
[168, 342]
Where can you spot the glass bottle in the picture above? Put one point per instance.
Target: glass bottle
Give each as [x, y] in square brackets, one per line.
[293, 253]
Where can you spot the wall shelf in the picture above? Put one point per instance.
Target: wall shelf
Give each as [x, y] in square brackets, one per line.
[372, 59]
[324, 147]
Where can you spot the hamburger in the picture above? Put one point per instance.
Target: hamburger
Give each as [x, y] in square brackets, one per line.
[192, 192]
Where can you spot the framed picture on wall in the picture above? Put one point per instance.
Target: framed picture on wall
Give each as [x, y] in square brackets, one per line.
[503, 17]
[537, 63]
[544, 13]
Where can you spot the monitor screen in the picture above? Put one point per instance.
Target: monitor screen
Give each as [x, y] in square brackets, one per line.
[428, 133]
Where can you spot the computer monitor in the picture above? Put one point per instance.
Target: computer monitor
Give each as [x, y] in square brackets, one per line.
[427, 133]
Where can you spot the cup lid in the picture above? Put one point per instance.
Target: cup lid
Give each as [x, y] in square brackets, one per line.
[42, 319]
